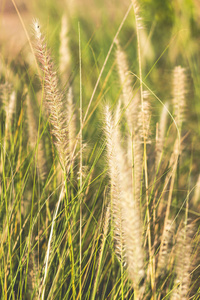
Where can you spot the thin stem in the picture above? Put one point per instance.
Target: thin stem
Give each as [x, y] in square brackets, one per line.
[50, 238]
[138, 50]
[105, 62]
[145, 155]
[81, 156]
[8, 222]
[26, 33]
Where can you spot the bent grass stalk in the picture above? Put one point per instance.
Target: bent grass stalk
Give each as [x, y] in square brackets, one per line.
[62, 193]
[105, 62]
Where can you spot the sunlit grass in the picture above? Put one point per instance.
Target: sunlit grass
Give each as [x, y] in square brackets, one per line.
[99, 172]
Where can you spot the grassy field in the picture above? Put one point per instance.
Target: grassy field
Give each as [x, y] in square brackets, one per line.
[99, 150]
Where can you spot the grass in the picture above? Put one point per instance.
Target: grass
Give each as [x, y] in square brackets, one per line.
[99, 156]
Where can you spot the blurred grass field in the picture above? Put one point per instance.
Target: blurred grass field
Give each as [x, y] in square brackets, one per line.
[69, 140]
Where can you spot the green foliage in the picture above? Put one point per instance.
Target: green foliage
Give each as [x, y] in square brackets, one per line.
[40, 195]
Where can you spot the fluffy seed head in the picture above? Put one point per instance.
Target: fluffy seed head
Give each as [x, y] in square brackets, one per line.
[196, 197]
[121, 174]
[166, 247]
[36, 28]
[144, 118]
[161, 134]
[129, 100]
[183, 263]
[53, 96]
[179, 91]
[64, 46]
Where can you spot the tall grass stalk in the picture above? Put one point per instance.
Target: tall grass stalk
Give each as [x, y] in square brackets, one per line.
[81, 159]
[54, 103]
[139, 25]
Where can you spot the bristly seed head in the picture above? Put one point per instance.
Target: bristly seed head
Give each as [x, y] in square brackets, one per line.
[36, 28]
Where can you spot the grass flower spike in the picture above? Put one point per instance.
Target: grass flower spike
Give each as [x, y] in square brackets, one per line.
[53, 96]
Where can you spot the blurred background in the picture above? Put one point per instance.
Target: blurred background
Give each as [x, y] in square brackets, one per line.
[163, 19]
[170, 37]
